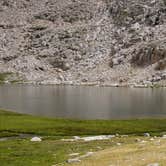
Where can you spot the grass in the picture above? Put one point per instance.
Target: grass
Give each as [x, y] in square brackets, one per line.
[135, 154]
[14, 123]
[51, 151]
[45, 153]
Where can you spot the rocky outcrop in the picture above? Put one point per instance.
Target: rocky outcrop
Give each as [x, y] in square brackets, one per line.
[92, 41]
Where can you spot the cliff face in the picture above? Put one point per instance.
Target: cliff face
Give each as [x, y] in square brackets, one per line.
[75, 41]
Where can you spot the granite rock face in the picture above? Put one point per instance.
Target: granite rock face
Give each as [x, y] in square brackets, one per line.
[74, 41]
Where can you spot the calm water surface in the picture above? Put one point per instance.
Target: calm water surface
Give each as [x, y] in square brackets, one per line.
[84, 102]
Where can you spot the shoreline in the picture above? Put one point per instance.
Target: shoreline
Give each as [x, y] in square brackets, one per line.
[92, 84]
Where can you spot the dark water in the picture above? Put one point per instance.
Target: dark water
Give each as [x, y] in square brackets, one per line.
[84, 102]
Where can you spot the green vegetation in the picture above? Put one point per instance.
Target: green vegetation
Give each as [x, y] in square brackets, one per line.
[3, 76]
[52, 150]
[14, 123]
[18, 152]
[10, 77]
[46, 153]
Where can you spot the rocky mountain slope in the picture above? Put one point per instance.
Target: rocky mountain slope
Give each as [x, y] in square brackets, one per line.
[84, 41]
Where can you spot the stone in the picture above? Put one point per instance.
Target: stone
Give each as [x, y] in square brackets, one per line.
[164, 136]
[78, 57]
[95, 138]
[86, 155]
[36, 139]
[117, 61]
[74, 154]
[66, 66]
[146, 134]
[76, 137]
[75, 160]
[136, 26]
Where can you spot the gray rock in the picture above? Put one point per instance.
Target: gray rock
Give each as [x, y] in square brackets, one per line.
[78, 57]
[146, 134]
[66, 66]
[36, 139]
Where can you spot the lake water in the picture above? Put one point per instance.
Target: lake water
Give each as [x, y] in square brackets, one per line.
[84, 102]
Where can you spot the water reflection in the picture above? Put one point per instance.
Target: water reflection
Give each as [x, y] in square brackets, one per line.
[84, 102]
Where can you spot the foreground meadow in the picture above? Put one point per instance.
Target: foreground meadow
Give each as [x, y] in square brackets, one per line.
[128, 146]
